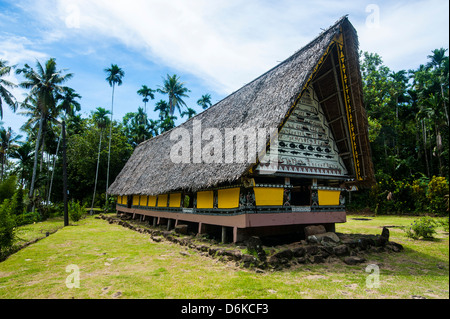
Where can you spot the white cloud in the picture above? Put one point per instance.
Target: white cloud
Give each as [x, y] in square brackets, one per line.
[408, 32]
[227, 43]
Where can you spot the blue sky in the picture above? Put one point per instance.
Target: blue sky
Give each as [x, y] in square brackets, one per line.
[215, 46]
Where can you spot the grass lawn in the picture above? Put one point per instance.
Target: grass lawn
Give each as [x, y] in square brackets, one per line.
[115, 262]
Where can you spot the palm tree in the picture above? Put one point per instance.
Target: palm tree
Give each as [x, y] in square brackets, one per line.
[167, 124]
[23, 153]
[163, 109]
[69, 105]
[5, 95]
[101, 119]
[146, 93]
[205, 101]
[8, 140]
[43, 84]
[176, 91]
[437, 58]
[68, 101]
[189, 112]
[438, 61]
[115, 75]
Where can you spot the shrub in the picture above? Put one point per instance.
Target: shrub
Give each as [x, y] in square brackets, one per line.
[7, 188]
[27, 218]
[422, 228]
[76, 210]
[444, 224]
[7, 228]
[419, 194]
[437, 190]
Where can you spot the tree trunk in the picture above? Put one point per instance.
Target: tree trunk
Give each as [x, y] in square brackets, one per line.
[109, 148]
[36, 155]
[96, 172]
[53, 171]
[66, 213]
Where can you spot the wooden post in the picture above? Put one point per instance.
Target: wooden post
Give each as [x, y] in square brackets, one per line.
[169, 222]
[155, 219]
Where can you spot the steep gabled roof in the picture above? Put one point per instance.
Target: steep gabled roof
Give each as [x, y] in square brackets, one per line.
[264, 102]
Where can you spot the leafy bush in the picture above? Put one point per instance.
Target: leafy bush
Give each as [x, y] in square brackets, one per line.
[444, 224]
[7, 228]
[76, 210]
[422, 228]
[7, 188]
[27, 218]
[419, 196]
[110, 205]
[437, 190]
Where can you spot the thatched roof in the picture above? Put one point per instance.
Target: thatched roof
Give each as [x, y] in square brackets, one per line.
[264, 102]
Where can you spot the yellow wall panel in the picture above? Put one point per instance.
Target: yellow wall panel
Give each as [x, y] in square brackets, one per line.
[328, 197]
[135, 200]
[175, 200]
[228, 198]
[205, 199]
[151, 201]
[143, 200]
[162, 200]
[269, 196]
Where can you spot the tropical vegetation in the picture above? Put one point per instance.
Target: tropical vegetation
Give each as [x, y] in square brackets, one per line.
[408, 127]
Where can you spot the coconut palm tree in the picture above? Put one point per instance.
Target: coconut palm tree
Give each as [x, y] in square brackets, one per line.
[114, 76]
[205, 101]
[146, 93]
[163, 109]
[23, 153]
[8, 141]
[5, 95]
[43, 84]
[176, 91]
[189, 112]
[68, 105]
[101, 119]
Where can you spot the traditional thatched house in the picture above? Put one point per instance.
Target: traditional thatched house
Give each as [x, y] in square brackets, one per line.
[221, 170]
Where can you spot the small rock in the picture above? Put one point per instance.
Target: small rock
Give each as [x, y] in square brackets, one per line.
[417, 297]
[314, 230]
[394, 247]
[299, 251]
[286, 253]
[317, 259]
[117, 294]
[212, 251]
[341, 250]
[253, 243]
[183, 253]
[248, 258]
[156, 239]
[312, 250]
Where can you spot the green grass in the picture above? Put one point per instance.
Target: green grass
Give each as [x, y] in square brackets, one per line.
[114, 259]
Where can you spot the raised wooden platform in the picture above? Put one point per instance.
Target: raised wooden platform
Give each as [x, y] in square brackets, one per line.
[245, 224]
